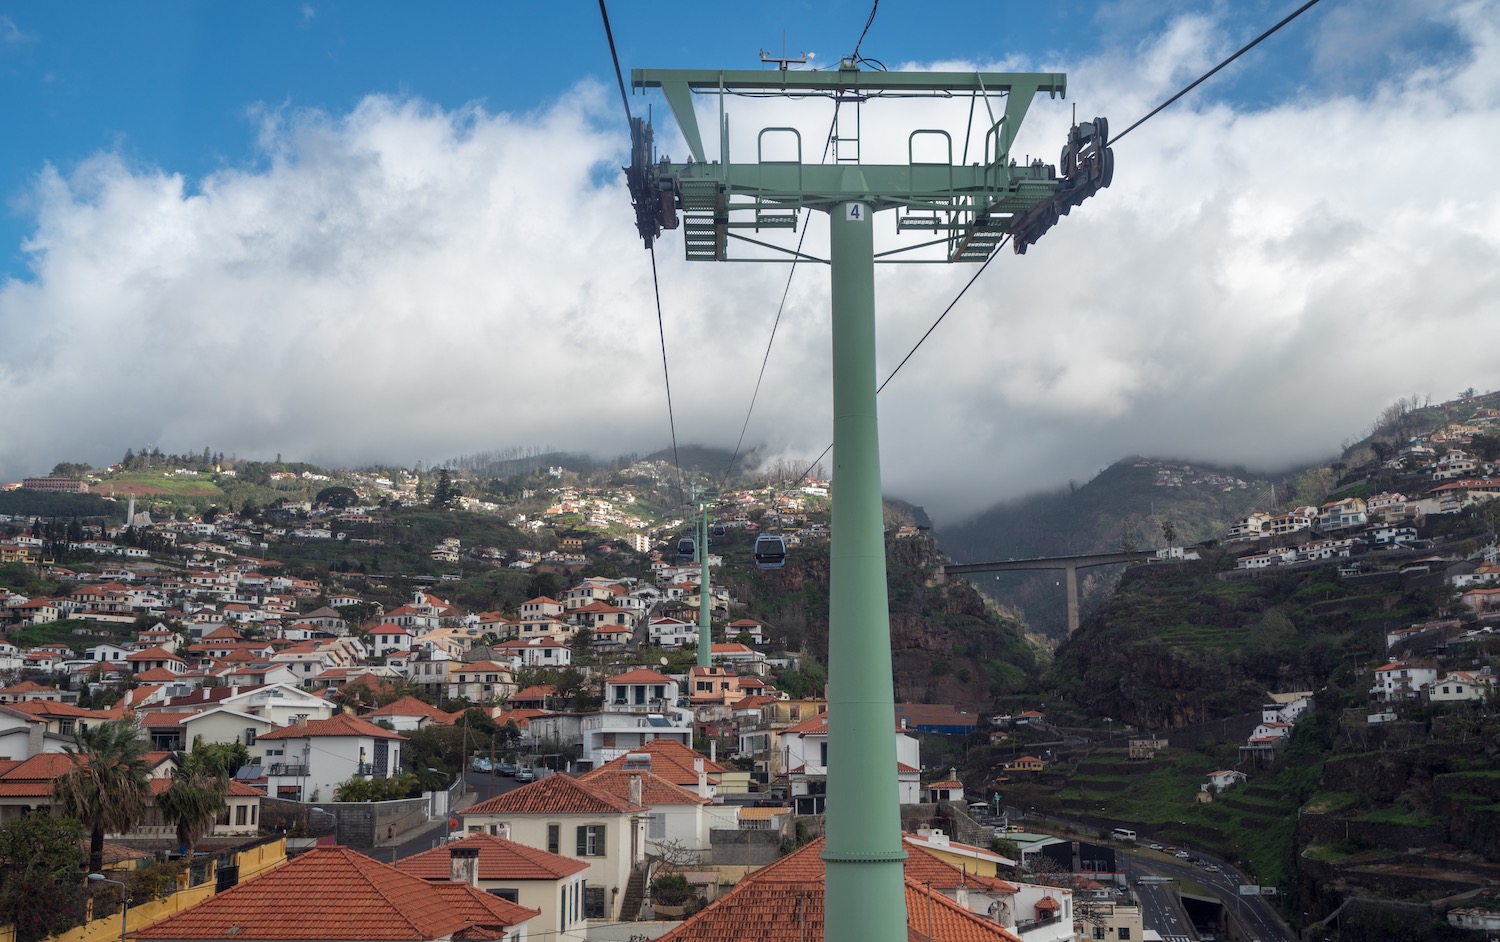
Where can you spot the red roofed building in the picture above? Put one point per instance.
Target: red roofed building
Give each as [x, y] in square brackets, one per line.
[674, 762]
[783, 902]
[550, 883]
[409, 713]
[332, 894]
[307, 760]
[640, 690]
[677, 815]
[569, 818]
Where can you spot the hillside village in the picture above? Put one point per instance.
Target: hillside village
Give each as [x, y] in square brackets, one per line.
[640, 778]
[643, 772]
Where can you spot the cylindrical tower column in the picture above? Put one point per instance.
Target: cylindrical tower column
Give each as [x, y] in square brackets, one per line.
[865, 898]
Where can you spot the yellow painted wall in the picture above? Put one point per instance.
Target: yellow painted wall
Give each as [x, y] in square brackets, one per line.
[252, 863]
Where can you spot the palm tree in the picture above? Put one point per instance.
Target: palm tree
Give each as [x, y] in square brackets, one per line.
[108, 788]
[197, 795]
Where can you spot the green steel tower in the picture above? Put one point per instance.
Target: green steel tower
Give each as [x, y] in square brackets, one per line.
[967, 209]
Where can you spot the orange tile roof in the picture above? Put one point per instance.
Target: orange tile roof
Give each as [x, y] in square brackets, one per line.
[655, 790]
[411, 706]
[783, 902]
[671, 760]
[816, 724]
[334, 893]
[555, 794]
[641, 675]
[499, 859]
[750, 813]
[341, 724]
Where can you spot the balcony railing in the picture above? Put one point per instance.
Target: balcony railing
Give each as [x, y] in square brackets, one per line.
[286, 769]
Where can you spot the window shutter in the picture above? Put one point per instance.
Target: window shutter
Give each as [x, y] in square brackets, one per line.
[599, 850]
[583, 841]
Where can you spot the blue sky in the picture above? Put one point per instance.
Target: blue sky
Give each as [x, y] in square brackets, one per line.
[177, 85]
[231, 192]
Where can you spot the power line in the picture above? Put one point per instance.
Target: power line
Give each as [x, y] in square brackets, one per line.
[609, 34]
[873, 7]
[785, 292]
[832, 130]
[661, 329]
[1202, 78]
[666, 375]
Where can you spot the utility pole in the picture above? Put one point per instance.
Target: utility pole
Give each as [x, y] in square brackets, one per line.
[967, 208]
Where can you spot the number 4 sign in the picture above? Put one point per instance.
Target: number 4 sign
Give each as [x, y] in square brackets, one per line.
[855, 212]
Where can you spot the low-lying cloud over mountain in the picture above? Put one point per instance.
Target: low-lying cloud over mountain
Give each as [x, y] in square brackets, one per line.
[405, 282]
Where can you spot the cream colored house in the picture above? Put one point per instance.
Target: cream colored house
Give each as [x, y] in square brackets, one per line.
[533, 878]
[564, 816]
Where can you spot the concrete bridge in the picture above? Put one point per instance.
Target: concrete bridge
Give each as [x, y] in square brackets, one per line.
[1068, 564]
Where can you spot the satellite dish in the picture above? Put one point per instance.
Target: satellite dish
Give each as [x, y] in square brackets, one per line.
[664, 662]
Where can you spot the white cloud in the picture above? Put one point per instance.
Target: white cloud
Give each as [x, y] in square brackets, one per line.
[12, 34]
[405, 283]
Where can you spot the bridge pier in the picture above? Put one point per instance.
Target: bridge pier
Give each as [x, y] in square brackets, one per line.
[1068, 564]
[1070, 573]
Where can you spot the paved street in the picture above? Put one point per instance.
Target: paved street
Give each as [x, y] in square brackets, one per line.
[1161, 908]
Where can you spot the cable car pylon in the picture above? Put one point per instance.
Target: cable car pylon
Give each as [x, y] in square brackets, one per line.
[971, 208]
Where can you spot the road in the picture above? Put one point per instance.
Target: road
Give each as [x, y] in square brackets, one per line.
[1254, 912]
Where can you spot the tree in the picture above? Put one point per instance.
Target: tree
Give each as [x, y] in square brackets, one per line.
[445, 495]
[108, 787]
[338, 497]
[195, 799]
[40, 890]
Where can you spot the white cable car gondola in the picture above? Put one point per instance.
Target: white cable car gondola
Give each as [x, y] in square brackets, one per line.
[770, 551]
[687, 548]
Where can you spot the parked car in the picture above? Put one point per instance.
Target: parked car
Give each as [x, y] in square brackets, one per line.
[1156, 847]
[505, 768]
[524, 774]
[1182, 855]
[480, 764]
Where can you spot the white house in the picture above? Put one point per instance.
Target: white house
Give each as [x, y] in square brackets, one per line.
[543, 651]
[671, 633]
[1456, 686]
[804, 757]
[1222, 779]
[675, 816]
[550, 883]
[308, 760]
[1402, 680]
[640, 690]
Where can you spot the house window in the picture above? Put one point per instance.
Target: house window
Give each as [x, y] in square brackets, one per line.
[823, 754]
[1124, 933]
[249, 735]
[241, 815]
[591, 840]
[656, 826]
[505, 894]
[593, 902]
[1098, 932]
[554, 838]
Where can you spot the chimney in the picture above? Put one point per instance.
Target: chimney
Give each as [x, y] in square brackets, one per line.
[302, 721]
[463, 864]
[702, 778]
[636, 791]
